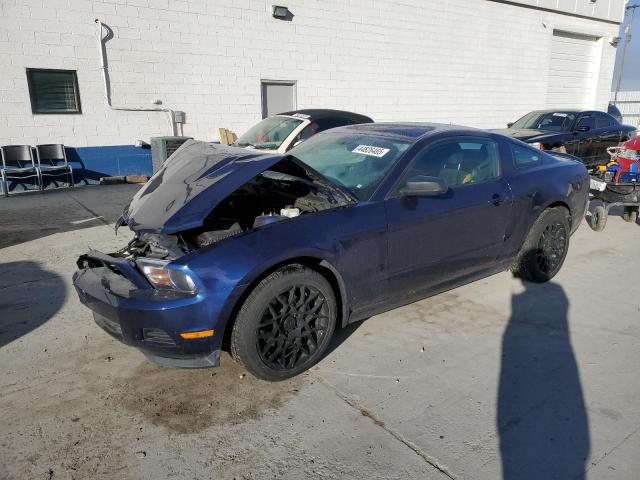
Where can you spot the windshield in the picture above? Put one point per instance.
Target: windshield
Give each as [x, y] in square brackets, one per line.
[269, 133]
[355, 161]
[552, 121]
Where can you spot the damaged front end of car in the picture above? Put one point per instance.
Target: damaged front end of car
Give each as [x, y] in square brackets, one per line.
[146, 294]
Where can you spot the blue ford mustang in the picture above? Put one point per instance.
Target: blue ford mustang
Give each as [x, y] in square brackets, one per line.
[267, 254]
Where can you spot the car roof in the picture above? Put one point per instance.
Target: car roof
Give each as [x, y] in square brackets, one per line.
[320, 113]
[409, 130]
[568, 110]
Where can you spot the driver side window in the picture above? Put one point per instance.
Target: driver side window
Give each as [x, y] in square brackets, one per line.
[458, 162]
[586, 121]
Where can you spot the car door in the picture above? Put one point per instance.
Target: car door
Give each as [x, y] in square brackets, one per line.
[585, 138]
[433, 240]
[609, 135]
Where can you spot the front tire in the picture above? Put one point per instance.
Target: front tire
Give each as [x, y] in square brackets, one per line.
[545, 249]
[285, 324]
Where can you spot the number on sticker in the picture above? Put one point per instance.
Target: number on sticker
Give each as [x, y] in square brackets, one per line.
[371, 150]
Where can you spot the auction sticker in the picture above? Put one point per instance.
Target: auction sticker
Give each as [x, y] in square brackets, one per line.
[371, 150]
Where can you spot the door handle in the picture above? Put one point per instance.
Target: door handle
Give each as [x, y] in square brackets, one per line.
[497, 199]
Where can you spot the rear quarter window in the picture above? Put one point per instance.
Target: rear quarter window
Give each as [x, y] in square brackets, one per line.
[525, 157]
[605, 120]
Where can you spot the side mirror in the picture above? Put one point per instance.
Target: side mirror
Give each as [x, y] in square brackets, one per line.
[510, 124]
[423, 186]
[583, 128]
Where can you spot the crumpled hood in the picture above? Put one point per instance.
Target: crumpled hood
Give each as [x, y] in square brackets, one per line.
[527, 135]
[190, 184]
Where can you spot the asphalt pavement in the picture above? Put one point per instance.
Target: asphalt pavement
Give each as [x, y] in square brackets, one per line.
[30, 215]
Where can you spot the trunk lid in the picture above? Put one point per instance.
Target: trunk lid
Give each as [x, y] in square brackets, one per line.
[523, 134]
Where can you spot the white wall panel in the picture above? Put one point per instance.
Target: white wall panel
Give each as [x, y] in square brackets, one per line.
[473, 62]
[572, 71]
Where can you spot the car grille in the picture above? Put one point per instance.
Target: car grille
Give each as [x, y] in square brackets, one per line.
[157, 336]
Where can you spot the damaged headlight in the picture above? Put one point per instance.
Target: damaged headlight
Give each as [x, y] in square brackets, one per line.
[162, 277]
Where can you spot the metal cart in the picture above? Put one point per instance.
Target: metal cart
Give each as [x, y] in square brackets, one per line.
[613, 194]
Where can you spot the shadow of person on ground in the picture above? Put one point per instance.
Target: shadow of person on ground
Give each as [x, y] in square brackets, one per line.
[29, 297]
[542, 419]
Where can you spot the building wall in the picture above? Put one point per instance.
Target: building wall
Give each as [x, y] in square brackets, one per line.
[602, 9]
[474, 62]
[628, 103]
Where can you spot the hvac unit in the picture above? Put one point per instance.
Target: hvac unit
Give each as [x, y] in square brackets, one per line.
[163, 147]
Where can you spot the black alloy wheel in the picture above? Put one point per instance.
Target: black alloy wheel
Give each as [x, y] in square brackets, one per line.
[285, 324]
[551, 248]
[292, 326]
[543, 252]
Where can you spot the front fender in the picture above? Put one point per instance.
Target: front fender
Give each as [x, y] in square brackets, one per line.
[237, 263]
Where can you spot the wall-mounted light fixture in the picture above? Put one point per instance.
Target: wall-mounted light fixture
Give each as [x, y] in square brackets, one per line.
[281, 13]
[614, 41]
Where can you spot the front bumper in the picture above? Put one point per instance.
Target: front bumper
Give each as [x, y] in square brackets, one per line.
[150, 319]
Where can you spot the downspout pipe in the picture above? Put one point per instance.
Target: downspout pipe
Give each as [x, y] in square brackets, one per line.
[102, 49]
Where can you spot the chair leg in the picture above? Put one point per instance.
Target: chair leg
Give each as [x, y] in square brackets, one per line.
[40, 181]
[71, 182]
[5, 185]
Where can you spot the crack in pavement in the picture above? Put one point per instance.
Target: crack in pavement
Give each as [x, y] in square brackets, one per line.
[394, 433]
[606, 454]
[35, 280]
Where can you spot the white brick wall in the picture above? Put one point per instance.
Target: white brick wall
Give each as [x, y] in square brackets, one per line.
[473, 62]
[629, 105]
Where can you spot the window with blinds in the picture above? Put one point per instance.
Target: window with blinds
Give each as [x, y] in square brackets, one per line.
[53, 91]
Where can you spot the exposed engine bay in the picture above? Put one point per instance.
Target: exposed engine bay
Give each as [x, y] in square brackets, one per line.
[285, 191]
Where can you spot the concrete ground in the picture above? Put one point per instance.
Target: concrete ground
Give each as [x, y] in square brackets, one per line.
[492, 380]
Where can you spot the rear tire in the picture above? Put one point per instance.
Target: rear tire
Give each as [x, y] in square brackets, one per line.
[285, 324]
[630, 214]
[599, 218]
[545, 248]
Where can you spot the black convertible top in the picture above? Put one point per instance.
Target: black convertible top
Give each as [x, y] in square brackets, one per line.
[321, 113]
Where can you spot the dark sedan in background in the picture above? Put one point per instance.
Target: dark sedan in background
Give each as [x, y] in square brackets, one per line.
[270, 253]
[586, 134]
